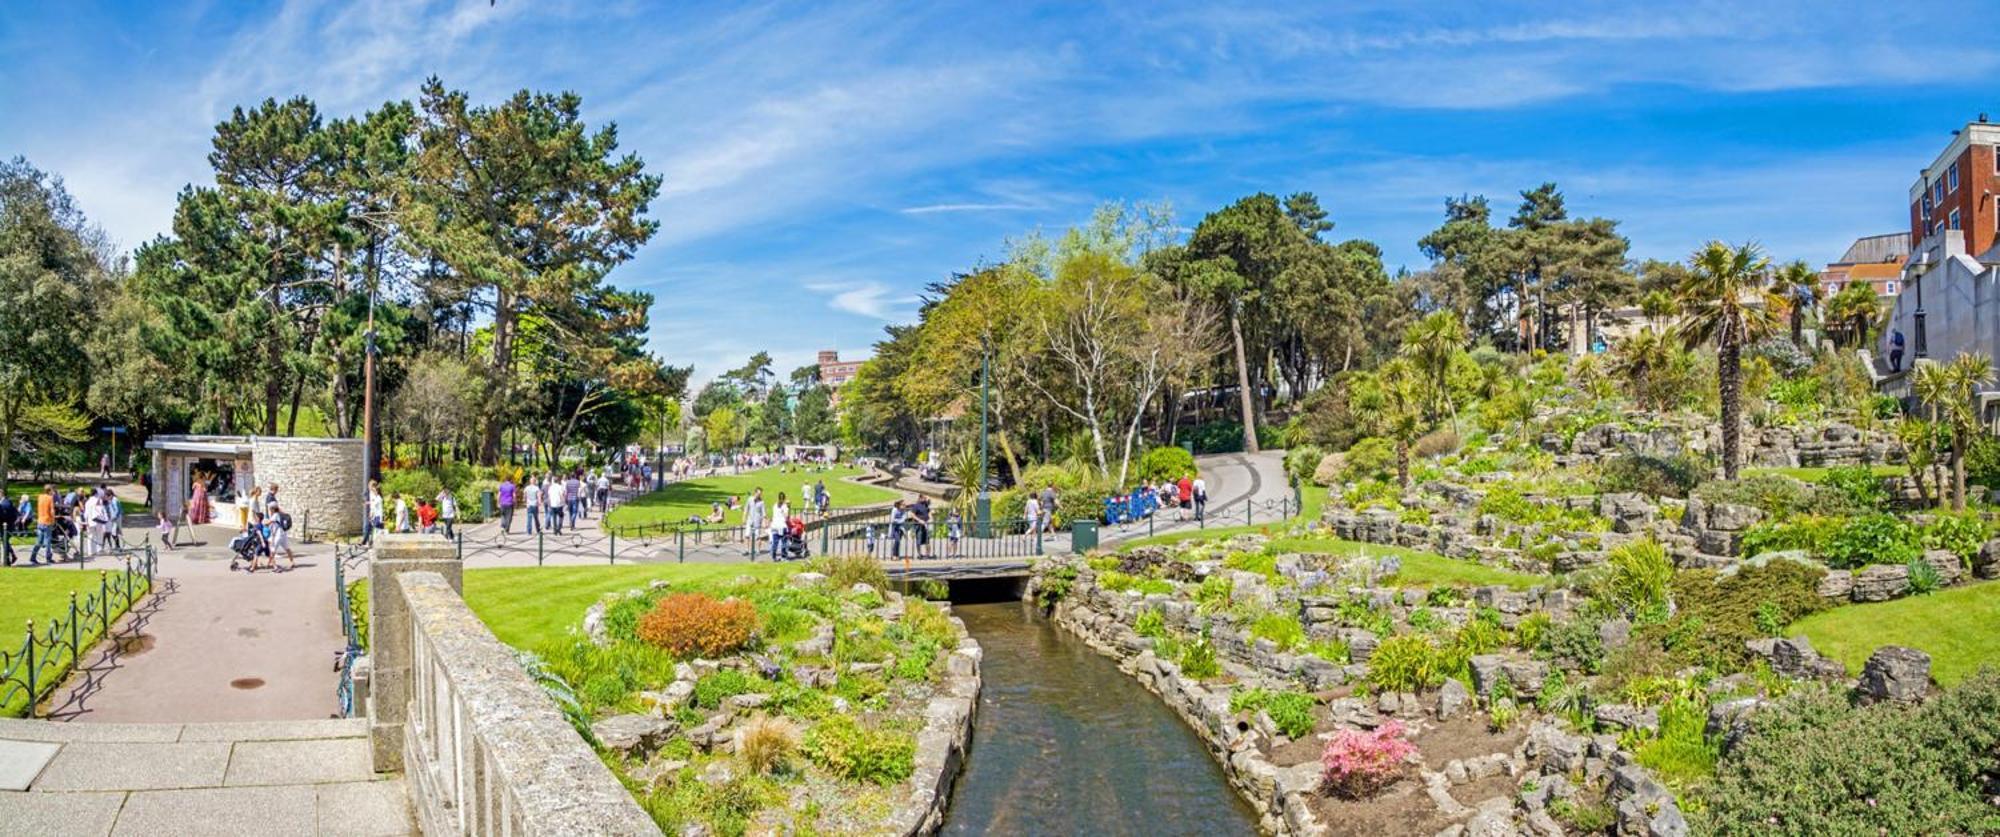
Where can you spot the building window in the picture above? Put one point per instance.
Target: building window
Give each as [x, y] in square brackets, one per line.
[1889, 288]
[1937, 191]
[1954, 219]
[1951, 176]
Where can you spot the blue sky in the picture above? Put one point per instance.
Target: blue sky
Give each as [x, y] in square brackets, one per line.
[824, 161]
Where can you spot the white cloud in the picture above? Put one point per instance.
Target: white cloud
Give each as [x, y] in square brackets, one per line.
[870, 299]
[932, 209]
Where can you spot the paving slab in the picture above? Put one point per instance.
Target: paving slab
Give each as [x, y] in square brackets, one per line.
[94, 765]
[365, 809]
[239, 812]
[59, 814]
[20, 729]
[276, 730]
[299, 762]
[22, 761]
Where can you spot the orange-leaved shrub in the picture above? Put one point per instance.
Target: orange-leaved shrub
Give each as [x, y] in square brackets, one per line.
[699, 625]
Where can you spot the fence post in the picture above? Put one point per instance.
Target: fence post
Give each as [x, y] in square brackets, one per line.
[104, 600]
[1038, 539]
[31, 669]
[75, 641]
[1248, 507]
[680, 545]
[824, 525]
[538, 547]
[128, 580]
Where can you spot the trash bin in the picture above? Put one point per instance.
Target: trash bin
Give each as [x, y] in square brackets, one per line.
[1083, 535]
[486, 505]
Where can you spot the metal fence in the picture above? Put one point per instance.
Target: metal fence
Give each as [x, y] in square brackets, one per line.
[353, 626]
[50, 650]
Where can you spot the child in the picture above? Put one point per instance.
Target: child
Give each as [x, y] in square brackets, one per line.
[427, 516]
[954, 529]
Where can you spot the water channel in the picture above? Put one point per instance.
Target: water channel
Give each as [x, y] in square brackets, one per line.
[1066, 743]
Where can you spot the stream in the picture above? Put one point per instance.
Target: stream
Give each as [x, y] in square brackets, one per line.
[1065, 743]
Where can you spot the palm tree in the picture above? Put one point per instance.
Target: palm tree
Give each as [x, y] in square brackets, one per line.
[1798, 284]
[1432, 343]
[1391, 401]
[1948, 388]
[1853, 311]
[1724, 299]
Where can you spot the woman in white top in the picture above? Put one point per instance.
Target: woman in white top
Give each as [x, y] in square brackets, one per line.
[781, 517]
[447, 507]
[402, 513]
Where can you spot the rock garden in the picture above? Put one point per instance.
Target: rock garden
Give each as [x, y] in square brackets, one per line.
[806, 704]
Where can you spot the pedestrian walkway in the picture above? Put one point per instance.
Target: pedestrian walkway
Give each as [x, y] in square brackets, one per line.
[242, 779]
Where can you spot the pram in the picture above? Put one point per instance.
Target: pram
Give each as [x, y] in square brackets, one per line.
[247, 546]
[792, 544]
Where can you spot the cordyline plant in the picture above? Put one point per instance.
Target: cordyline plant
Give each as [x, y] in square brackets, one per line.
[1359, 764]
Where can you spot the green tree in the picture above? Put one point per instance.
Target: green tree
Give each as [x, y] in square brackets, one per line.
[723, 429]
[813, 418]
[1234, 257]
[1725, 300]
[1391, 402]
[524, 203]
[1852, 313]
[1949, 389]
[1431, 344]
[1798, 285]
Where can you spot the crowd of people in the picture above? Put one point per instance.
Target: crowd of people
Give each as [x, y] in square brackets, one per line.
[552, 501]
[1186, 496]
[80, 523]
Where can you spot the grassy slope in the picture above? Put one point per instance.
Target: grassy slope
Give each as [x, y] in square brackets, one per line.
[527, 606]
[42, 595]
[676, 502]
[1420, 569]
[1955, 626]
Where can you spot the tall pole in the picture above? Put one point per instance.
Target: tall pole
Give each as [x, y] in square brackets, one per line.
[372, 470]
[982, 510]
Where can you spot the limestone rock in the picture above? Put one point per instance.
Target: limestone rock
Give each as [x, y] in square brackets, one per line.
[1838, 585]
[1733, 517]
[1624, 716]
[1881, 582]
[1895, 673]
[740, 703]
[806, 579]
[634, 735]
[1615, 633]
[1949, 567]
[1987, 563]
[1452, 700]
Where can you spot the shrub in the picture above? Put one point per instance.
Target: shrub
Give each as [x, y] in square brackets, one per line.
[1575, 643]
[1292, 712]
[918, 661]
[933, 589]
[1168, 463]
[1718, 613]
[849, 750]
[1435, 444]
[713, 687]
[1150, 624]
[1924, 578]
[1777, 495]
[698, 625]
[418, 483]
[767, 743]
[1879, 538]
[1281, 628]
[1809, 532]
[1301, 462]
[1682, 753]
[1638, 580]
[1198, 660]
[1405, 663]
[1370, 458]
[1053, 585]
[844, 571]
[1358, 764]
[1658, 476]
[928, 621]
[621, 617]
[1814, 764]
[1959, 534]
[1262, 563]
[1857, 484]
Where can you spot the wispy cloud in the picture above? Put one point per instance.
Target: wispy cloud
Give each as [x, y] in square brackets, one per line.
[873, 300]
[932, 209]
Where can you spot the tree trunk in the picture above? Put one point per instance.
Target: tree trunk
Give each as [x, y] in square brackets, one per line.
[499, 374]
[1243, 383]
[1958, 442]
[292, 424]
[1403, 464]
[1729, 374]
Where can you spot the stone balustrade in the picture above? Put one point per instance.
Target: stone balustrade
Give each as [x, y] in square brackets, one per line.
[483, 748]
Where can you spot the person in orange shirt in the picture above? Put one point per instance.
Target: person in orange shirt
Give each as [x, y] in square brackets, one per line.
[45, 526]
[427, 516]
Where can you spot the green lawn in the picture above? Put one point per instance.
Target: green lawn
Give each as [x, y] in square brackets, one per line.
[677, 502]
[43, 595]
[527, 606]
[1955, 626]
[1420, 569]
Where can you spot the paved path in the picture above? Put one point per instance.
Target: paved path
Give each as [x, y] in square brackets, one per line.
[239, 779]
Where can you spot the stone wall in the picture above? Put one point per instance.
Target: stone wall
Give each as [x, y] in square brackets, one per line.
[320, 481]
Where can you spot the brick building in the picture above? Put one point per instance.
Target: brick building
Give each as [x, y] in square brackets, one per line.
[1877, 260]
[833, 372]
[1949, 302]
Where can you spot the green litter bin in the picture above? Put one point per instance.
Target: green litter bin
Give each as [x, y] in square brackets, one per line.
[1083, 536]
[486, 505]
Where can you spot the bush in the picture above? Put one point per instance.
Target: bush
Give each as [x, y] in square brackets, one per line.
[1198, 660]
[1575, 643]
[1879, 538]
[621, 617]
[417, 483]
[1809, 532]
[1658, 476]
[1405, 663]
[1291, 711]
[693, 624]
[1166, 463]
[842, 745]
[713, 687]
[1958, 534]
[928, 621]
[1281, 628]
[1373, 458]
[1436, 443]
[1301, 462]
[1638, 580]
[1857, 484]
[1150, 624]
[1815, 764]
[844, 571]
[1777, 495]
[767, 743]
[1359, 764]
[1718, 613]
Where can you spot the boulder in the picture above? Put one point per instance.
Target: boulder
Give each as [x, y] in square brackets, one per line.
[1526, 675]
[806, 579]
[1624, 716]
[820, 644]
[1452, 700]
[1486, 672]
[1728, 720]
[1881, 582]
[740, 703]
[634, 735]
[1837, 585]
[1949, 567]
[1895, 673]
[1733, 517]
[1794, 657]
[1987, 563]
[1615, 633]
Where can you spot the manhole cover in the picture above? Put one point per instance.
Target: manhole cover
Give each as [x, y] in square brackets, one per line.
[135, 645]
[246, 683]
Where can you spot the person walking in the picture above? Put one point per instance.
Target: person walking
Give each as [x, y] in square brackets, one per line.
[1183, 497]
[920, 522]
[604, 492]
[114, 512]
[91, 522]
[781, 519]
[558, 504]
[375, 511]
[9, 517]
[1200, 488]
[954, 527]
[45, 525]
[897, 517]
[279, 536]
[402, 513]
[1049, 508]
[1033, 511]
[532, 506]
[753, 517]
[506, 498]
[447, 509]
[104, 466]
[573, 491]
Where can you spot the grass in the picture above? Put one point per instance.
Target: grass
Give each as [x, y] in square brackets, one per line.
[527, 606]
[1313, 500]
[1954, 626]
[43, 595]
[1420, 569]
[681, 500]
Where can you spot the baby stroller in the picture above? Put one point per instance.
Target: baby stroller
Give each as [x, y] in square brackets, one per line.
[246, 547]
[62, 539]
[792, 544]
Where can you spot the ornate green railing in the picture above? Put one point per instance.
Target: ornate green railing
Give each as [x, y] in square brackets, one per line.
[50, 649]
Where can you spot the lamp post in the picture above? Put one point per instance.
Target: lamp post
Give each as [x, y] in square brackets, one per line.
[982, 507]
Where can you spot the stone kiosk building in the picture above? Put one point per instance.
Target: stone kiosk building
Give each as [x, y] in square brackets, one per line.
[320, 481]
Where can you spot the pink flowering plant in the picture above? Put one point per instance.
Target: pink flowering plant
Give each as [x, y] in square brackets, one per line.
[1359, 763]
